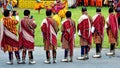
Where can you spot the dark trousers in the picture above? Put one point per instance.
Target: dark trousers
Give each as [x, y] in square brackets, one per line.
[30, 54]
[17, 55]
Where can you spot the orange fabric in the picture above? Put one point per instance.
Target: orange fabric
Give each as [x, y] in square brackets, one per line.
[10, 24]
[99, 3]
[91, 2]
[85, 2]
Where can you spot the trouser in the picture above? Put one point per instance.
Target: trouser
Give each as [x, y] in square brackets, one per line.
[30, 54]
[17, 55]
[112, 47]
[67, 51]
[98, 48]
[84, 50]
[53, 54]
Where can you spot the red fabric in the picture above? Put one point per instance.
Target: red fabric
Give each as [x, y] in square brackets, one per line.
[47, 35]
[8, 41]
[68, 33]
[84, 29]
[22, 41]
[99, 25]
[113, 25]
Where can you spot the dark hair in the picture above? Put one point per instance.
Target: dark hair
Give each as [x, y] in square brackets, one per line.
[48, 12]
[26, 12]
[68, 14]
[6, 13]
[110, 10]
[98, 9]
[84, 9]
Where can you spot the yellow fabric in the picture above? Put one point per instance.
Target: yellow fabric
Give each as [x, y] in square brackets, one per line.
[39, 5]
[57, 18]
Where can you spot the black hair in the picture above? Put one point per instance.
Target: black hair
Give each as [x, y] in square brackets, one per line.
[84, 9]
[26, 12]
[110, 10]
[98, 9]
[68, 14]
[48, 12]
[6, 13]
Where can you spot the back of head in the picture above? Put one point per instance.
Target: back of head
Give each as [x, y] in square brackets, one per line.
[68, 14]
[26, 12]
[110, 10]
[84, 9]
[6, 13]
[98, 9]
[48, 12]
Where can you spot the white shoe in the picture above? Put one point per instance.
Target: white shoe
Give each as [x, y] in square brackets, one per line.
[81, 58]
[47, 62]
[20, 62]
[32, 62]
[64, 60]
[110, 54]
[10, 63]
[96, 56]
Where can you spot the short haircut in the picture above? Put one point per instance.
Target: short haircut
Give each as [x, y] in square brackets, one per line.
[98, 9]
[68, 14]
[26, 12]
[84, 9]
[48, 12]
[110, 10]
[6, 13]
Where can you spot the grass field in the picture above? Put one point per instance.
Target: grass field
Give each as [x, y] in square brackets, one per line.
[76, 13]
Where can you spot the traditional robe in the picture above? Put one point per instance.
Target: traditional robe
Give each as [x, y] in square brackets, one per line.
[68, 30]
[91, 2]
[84, 30]
[26, 34]
[8, 39]
[49, 31]
[99, 3]
[85, 2]
[98, 25]
[112, 28]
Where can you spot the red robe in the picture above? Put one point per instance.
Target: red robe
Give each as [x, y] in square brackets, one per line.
[91, 2]
[113, 25]
[98, 24]
[26, 34]
[68, 31]
[49, 33]
[84, 28]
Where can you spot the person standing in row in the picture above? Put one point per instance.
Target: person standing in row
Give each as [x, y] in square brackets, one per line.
[68, 31]
[98, 31]
[84, 32]
[26, 36]
[112, 31]
[49, 30]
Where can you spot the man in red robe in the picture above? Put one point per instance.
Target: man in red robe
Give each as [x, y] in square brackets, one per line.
[98, 31]
[112, 31]
[68, 31]
[49, 30]
[84, 32]
[26, 36]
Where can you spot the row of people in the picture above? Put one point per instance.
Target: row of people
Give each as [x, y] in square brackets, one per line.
[86, 28]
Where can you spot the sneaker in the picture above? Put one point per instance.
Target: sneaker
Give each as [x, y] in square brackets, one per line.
[64, 60]
[10, 63]
[96, 56]
[86, 57]
[47, 62]
[110, 54]
[32, 62]
[20, 62]
[81, 58]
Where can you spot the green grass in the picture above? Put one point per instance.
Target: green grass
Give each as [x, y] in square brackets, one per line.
[76, 13]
